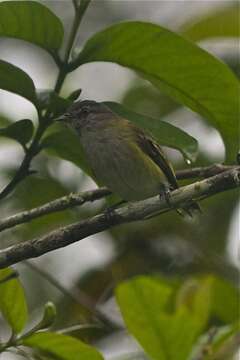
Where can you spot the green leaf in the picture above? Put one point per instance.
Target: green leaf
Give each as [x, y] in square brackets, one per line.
[144, 98]
[183, 70]
[64, 143]
[163, 335]
[165, 133]
[62, 346]
[16, 81]
[12, 302]
[20, 131]
[51, 100]
[225, 300]
[221, 23]
[33, 22]
[49, 316]
[196, 295]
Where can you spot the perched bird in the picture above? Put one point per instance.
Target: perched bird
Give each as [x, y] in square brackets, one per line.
[122, 156]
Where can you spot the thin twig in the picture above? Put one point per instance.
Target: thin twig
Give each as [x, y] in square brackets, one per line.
[132, 212]
[76, 296]
[75, 4]
[77, 327]
[78, 199]
[203, 171]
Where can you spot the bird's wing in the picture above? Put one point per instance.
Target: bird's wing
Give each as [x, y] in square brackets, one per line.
[156, 154]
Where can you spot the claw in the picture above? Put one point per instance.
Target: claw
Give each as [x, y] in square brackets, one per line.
[166, 194]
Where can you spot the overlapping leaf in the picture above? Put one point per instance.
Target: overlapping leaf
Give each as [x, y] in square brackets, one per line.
[12, 302]
[165, 133]
[15, 80]
[31, 21]
[168, 331]
[64, 143]
[220, 23]
[20, 131]
[62, 346]
[183, 70]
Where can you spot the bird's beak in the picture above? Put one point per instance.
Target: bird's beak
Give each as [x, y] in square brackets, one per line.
[61, 118]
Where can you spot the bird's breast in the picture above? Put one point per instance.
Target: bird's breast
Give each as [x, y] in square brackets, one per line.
[119, 163]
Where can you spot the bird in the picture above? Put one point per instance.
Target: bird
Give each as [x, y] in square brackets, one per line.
[122, 156]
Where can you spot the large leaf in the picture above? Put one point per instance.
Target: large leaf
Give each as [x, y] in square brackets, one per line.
[221, 23]
[165, 133]
[12, 302]
[62, 347]
[145, 98]
[16, 81]
[31, 21]
[20, 131]
[183, 70]
[164, 335]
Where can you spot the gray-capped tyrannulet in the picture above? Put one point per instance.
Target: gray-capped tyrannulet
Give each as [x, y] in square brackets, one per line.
[122, 156]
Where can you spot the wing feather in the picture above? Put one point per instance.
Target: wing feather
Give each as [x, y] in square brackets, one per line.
[156, 154]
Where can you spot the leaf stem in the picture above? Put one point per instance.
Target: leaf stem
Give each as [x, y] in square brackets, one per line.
[35, 148]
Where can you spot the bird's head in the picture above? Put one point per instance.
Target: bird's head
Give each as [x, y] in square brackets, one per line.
[86, 112]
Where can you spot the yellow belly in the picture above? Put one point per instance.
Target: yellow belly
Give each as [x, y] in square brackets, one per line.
[123, 167]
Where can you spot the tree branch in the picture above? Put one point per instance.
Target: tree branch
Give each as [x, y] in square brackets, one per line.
[132, 212]
[78, 199]
[203, 171]
[60, 204]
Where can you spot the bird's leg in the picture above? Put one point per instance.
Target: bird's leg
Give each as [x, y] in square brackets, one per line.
[165, 192]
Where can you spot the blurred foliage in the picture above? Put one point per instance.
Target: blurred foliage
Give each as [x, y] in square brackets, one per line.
[188, 306]
[221, 23]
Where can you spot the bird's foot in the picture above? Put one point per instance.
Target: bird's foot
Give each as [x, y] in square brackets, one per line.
[165, 193]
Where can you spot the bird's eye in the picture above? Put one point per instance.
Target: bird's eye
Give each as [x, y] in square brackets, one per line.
[85, 110]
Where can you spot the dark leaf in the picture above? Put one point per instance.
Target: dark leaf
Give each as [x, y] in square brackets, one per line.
[20, 131]
[15, 80]
[165, 133]
[31, 21]
[64, 143]
[51, 100]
